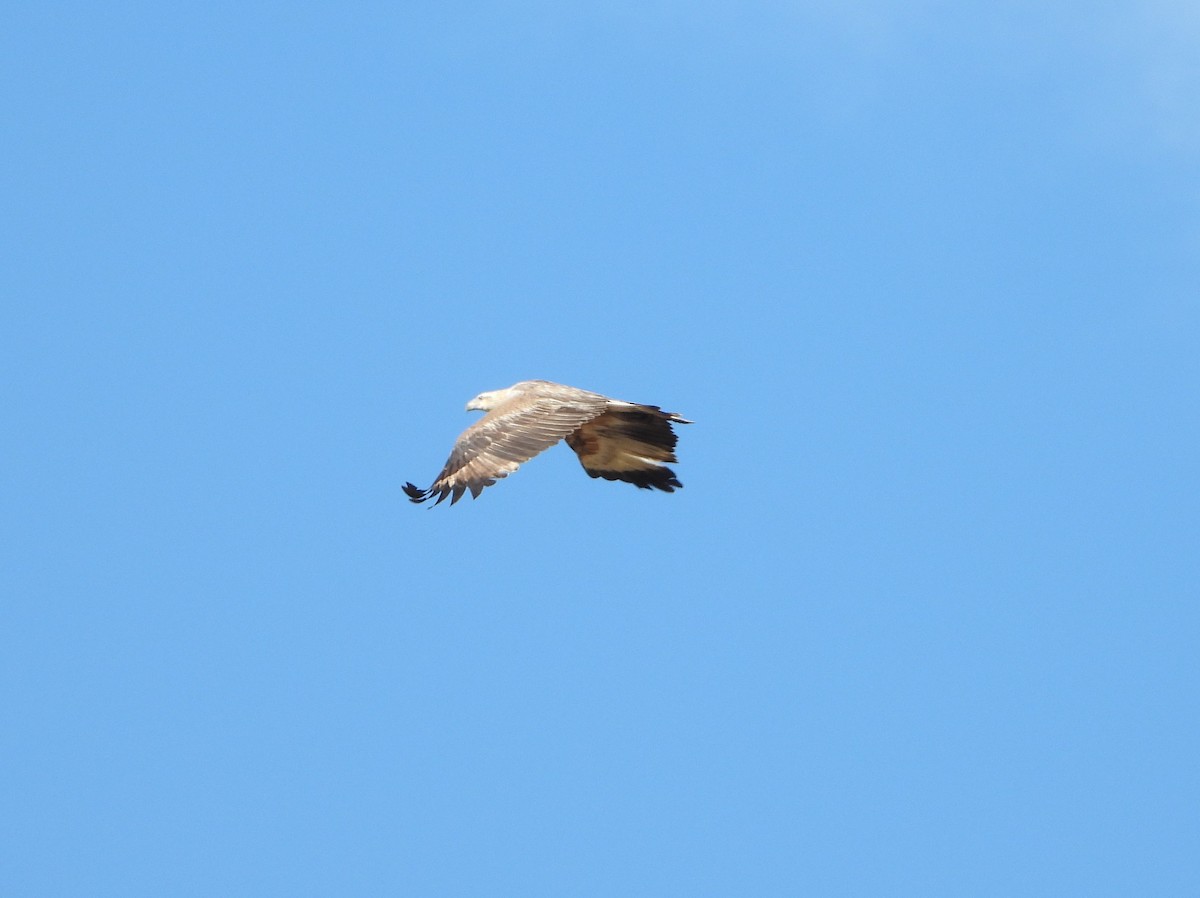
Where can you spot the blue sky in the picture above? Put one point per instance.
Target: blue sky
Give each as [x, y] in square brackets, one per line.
[923, 620]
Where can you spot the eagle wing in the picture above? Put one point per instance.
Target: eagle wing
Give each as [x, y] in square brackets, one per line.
[631, 443]
[509, 435]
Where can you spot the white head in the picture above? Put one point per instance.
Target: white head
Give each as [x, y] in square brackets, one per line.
[485, 402]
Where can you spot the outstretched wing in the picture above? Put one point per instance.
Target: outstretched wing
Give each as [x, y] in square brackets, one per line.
[632, 443]
[509, 435]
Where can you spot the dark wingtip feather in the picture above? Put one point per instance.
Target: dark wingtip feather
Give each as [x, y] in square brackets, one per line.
[652, 478]
[415, 493]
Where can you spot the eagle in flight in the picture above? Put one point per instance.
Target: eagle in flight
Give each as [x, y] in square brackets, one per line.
[615, 440]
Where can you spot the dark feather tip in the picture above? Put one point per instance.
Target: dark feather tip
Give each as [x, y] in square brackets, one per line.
[415, 493]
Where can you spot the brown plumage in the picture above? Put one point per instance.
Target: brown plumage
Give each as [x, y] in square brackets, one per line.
[615, 440]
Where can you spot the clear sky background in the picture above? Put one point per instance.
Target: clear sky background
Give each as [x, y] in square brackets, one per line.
[923, 621]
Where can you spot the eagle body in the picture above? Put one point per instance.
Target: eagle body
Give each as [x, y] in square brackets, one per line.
[613, 439]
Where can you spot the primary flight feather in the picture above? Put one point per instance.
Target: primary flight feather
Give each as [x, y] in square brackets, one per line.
[615, 440]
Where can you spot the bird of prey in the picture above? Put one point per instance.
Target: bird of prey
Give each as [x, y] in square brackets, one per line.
[615, 440]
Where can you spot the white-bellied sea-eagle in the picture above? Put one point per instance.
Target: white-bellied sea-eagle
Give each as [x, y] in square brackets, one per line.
[615, 440]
